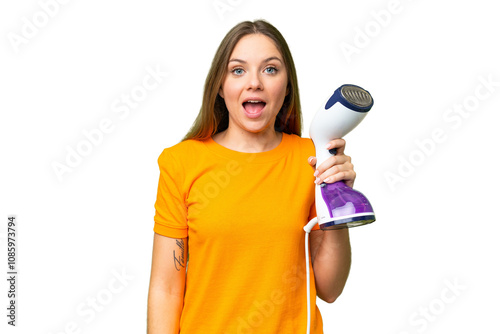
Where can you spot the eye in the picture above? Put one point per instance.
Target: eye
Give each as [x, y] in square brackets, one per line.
[271, 70]
[237, 71]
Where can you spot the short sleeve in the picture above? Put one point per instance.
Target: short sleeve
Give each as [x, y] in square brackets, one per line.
[170, 208]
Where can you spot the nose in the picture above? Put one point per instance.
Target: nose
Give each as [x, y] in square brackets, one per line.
[254, 81]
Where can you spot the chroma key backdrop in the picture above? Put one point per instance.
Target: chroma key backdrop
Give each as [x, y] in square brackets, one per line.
[93, 91]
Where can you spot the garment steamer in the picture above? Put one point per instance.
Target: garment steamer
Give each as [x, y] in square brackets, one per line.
[337, 205]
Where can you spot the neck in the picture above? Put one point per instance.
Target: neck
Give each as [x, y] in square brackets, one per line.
[248, 142]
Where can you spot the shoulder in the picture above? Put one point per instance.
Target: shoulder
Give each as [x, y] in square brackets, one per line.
[181, 151]
[304, 144]
[185, 147]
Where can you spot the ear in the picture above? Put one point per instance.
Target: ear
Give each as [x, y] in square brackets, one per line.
[221, 92]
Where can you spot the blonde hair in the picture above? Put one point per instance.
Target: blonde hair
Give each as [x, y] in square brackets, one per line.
[214, 117]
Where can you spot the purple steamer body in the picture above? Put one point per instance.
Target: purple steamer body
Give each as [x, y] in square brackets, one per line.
[347, 207]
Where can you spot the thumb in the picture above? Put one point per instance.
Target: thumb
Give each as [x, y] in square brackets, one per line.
[312, 161]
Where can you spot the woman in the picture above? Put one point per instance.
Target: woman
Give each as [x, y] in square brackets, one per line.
[239, 188]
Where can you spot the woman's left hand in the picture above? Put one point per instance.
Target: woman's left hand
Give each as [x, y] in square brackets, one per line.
[337, 167]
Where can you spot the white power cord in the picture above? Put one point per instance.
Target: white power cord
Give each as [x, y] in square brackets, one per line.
[308, 229]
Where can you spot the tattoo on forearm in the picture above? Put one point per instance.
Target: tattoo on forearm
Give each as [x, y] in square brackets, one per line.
[179, 261]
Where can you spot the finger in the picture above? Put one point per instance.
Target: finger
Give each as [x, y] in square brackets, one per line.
[312, 161]
[332, 161]
[334, 170]
[338, 144]
[348, 176]
[336, 173]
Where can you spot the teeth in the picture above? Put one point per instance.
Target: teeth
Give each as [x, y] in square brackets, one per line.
[254, 101]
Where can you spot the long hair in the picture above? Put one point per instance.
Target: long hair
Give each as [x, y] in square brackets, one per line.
[214, 116]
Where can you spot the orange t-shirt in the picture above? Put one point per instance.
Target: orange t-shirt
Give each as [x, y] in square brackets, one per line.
[243, 214]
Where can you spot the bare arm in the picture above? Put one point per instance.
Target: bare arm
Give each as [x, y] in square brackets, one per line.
[331, 250]
[331, 260]
[167, 283]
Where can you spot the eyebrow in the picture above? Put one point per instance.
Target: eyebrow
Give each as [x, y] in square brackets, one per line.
[265, 60]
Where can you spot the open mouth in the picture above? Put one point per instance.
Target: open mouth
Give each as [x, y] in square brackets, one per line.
[254, 107]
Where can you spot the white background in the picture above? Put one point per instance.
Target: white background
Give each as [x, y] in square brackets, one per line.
[437, 224]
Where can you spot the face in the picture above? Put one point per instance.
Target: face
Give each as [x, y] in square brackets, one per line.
[255, 84]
